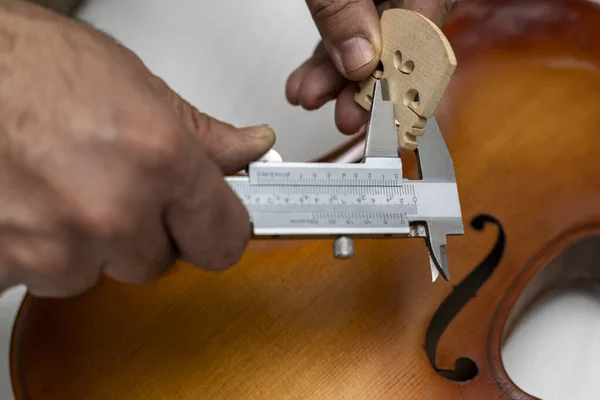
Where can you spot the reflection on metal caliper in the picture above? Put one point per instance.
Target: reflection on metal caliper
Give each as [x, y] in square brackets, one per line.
[368, 199]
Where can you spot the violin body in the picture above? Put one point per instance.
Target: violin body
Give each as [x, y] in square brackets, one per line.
[521, 120]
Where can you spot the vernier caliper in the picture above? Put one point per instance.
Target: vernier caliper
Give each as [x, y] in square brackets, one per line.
[370, 199]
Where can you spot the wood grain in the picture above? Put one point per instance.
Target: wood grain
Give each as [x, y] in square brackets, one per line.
[418, 63]
[289, 322]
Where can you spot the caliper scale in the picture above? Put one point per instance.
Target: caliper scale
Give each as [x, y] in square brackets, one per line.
[370, 199]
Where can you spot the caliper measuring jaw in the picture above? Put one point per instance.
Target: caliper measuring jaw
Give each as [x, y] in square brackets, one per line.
[370, 199]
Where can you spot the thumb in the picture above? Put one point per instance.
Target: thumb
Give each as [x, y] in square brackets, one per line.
[230, 147]
[351, 34]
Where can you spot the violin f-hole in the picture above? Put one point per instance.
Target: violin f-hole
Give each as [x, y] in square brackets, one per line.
[465, 368]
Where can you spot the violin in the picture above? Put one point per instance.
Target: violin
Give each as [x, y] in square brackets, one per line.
[520, 118]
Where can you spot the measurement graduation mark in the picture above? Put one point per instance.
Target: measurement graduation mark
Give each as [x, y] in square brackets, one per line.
[273, 198]
[315, 175]
[306, 209]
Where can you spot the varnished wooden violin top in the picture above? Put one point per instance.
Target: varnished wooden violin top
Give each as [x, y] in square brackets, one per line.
[520, 118]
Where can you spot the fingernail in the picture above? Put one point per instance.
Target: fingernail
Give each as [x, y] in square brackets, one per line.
[260, 132]
[356, 53]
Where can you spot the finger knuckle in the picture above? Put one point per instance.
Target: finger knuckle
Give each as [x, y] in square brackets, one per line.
[146, 275]
[311, 93]
[105, 219]
[220, 256]
[214, 265]
[133, 273]
[292, 87]
[40, 254]
[227, 258]
[326, 10]
[234, 253]
[160, 148]
[226, 244]
[238, 227]
[47, 265]
[194, 119]
[153, 140]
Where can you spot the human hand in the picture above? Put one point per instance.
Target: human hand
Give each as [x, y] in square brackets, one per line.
[348, 53]
[103, 168]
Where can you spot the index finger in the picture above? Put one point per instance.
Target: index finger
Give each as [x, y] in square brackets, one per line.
[208, 223]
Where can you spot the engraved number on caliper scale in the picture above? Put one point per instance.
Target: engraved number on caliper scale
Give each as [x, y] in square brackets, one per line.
[302, 174]
[344, 207]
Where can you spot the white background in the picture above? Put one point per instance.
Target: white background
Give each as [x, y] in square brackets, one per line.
[238, 75]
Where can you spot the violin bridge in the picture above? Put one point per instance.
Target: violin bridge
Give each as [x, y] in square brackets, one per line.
[372, 199]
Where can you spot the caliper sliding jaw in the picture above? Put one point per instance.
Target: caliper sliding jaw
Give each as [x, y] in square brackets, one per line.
[373, 197]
